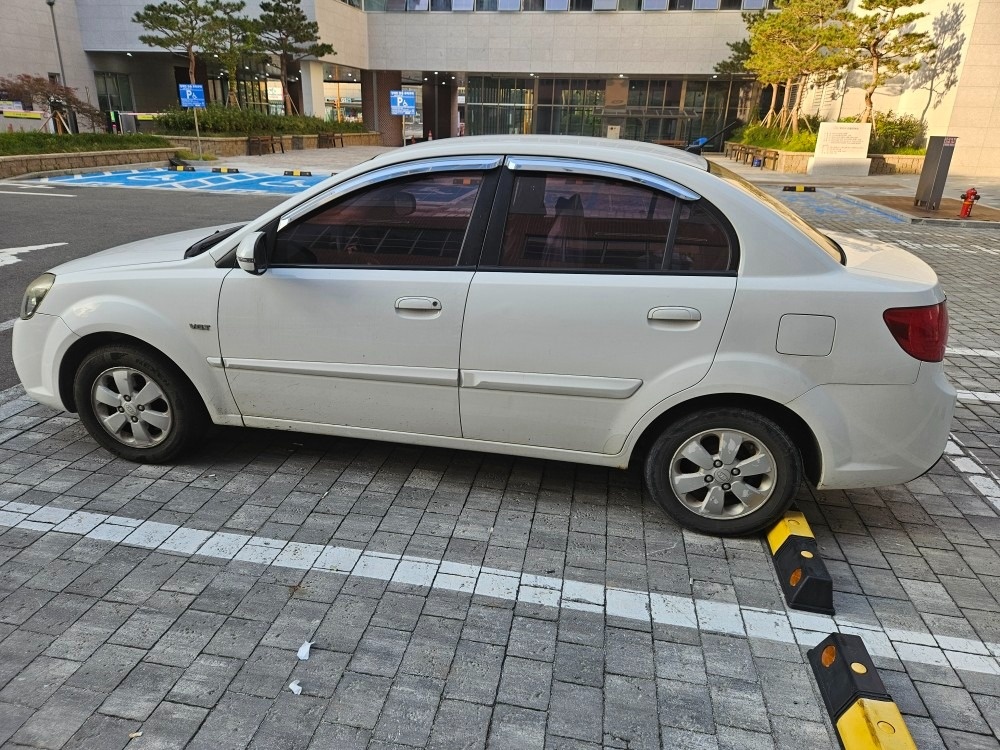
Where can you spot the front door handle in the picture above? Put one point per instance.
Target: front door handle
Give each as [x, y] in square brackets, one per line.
[428, 304]
[685, 314]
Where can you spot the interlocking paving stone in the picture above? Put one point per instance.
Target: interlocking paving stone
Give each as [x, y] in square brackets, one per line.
[465, 600]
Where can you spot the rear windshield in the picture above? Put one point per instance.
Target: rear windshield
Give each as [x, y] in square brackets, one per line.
[830, 247]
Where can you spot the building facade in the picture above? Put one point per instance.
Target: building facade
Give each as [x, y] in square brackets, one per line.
[638, 69]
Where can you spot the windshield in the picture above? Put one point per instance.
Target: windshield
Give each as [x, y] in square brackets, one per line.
[207, 243]
[830, 247]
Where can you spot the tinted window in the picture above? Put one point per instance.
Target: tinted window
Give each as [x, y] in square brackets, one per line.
[414, 222]
[572, 222]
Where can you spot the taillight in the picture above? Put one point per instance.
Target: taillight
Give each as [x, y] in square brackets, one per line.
[922, 332]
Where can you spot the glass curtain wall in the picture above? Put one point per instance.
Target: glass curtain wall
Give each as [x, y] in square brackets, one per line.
[670, 110]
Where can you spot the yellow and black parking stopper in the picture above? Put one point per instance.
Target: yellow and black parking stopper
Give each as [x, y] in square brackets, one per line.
[297, 173]
[181, 168]
[805, 581]
[226, 170]
[862, 711]
[799, 188]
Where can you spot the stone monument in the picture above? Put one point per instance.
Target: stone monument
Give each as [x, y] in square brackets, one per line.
[841, 149]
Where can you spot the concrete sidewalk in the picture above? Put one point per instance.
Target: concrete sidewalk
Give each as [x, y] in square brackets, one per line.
[464, 600]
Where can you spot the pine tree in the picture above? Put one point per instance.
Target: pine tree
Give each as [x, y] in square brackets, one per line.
[806, 38]
[288, 34]
[233, 39]
[885, 44]
[182, 24]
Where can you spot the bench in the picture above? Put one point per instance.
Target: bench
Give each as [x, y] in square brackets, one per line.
[330, 140]
[260, 144]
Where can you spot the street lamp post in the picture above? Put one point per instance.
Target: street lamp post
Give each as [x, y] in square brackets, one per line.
[55, 32]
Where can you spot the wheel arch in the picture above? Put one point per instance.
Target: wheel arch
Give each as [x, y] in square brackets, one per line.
[797, 429]
[82, 347]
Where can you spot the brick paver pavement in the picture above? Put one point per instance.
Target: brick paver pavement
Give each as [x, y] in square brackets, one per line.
[463, 600]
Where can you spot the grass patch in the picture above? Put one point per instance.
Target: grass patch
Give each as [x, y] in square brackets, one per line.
[24, 144]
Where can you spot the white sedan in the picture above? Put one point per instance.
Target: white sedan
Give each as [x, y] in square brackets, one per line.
[574, 299]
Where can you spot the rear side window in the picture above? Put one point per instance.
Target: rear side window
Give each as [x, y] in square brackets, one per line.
[403, 223]
[561, 222]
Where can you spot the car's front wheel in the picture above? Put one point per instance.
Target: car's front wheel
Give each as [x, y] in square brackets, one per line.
[136, 404]
[724, 471]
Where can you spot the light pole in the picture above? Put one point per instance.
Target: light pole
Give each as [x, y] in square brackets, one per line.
[55, 32]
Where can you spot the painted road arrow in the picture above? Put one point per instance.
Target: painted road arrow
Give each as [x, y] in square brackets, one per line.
[8, 255]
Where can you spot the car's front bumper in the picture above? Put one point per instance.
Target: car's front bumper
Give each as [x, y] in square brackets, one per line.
[39, 346]
[877, 435]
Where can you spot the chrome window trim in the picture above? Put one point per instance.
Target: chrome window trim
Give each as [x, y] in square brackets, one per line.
[600, 169]
[392, 172]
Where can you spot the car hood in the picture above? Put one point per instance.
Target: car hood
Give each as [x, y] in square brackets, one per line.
[878, 258]
[162, 249]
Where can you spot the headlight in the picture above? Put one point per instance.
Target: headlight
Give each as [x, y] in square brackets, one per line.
[35, 293]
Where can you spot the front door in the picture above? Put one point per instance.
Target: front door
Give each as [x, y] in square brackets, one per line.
[603, 297]
[357, 321]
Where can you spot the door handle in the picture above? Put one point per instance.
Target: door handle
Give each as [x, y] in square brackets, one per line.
[685, 314]
[428, 304]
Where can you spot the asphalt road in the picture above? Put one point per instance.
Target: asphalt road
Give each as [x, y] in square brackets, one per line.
[87, 220]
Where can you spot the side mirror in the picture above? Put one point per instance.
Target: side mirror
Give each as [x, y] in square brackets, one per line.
[251, 253]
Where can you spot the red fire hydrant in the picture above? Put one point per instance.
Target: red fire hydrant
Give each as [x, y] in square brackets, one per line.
[969, 198]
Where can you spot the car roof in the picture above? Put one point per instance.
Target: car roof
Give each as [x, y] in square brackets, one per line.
[579, 147]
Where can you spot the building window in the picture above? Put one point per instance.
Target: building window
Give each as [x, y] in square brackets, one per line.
[114, 92]
[681, 4]
[706, 4]
[509, 5]
[581, 4]
[654, 4]
[486, 5]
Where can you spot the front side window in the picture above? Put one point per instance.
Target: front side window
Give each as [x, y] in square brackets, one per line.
[561, 222]
[403, 223]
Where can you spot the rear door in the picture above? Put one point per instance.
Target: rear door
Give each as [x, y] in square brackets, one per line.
[604, 291]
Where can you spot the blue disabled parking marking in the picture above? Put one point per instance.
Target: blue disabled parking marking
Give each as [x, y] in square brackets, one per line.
[164, 179]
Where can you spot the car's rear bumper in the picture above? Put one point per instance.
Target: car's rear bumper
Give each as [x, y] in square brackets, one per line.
[39, 346]
[877, 435]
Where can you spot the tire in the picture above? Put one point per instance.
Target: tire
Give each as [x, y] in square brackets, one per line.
[137, 404]
[744, 475]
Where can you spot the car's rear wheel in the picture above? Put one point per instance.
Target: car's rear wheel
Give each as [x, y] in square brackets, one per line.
[137, 404]
[724, 471]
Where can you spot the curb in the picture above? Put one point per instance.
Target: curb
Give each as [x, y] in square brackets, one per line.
[958, 223]
[863, 713]
[805, 581]
[89, 170]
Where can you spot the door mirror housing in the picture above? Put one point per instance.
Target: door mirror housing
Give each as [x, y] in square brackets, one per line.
[251, 254]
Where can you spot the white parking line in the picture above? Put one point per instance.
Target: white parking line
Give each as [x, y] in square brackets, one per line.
[7, 325]
[959, 351]
[782, 626]
[983, 397]
[46, 195]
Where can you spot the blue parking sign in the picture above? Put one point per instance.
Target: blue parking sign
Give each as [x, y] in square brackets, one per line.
[403, 102]
[192, 95]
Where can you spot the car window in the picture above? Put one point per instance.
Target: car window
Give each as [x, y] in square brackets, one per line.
[418, 221]
[573, 222]
[828, 246]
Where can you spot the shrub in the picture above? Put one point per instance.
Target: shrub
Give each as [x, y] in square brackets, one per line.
[756, 134]
[894, 134]
[19, 144]
[231, 121]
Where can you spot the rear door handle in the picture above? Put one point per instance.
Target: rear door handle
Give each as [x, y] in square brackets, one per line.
[428, 304]
[686, 314]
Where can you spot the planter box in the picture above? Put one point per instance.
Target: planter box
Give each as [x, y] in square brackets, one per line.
[15, 166]
[238, 146]
[796, 162]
